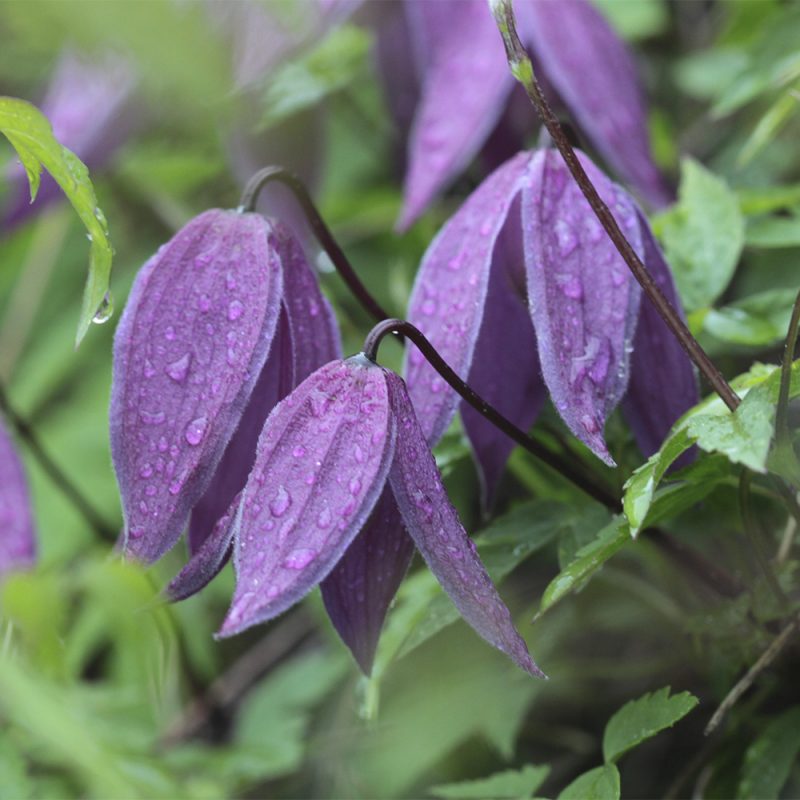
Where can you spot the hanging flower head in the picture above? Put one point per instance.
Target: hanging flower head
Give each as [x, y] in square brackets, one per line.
[17, 537]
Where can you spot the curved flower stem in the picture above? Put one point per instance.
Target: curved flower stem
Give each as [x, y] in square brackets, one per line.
[555, 462]
[522, 69]
[54, 472]
[321, 230]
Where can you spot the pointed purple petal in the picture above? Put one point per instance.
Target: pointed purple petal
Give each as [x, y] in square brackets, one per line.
[505, 366]
[17, 537]
[321, 465]
[450, 292]
[187, 352]
[663, 382]
[583, 300]
[465, 88]
[596, 76]
[307, 337]
[208, 560]
[433, 524]
[360, 589]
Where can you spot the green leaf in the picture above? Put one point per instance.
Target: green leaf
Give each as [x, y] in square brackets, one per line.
[328, 68]
[766, 199]
[30, 134]
[743, 436]
[600, 783]
[587, 561]
[768, 127]
[642, 719]
[758, 320]
[770, 758]
[638, 20]
[703, 235]
[777, 232]
[512, 783]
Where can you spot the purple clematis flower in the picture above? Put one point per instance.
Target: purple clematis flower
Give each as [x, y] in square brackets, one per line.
[586, 312]
[465, 85]
[17, 537]
[90, 107]
[326, 457]
[221, 323]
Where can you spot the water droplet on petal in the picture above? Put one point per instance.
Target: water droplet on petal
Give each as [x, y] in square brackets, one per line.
[204, 303]
[299, 451]
[572, 288]
[589, 424]
[355, 486]
[429, 307]
[178, 370]
[235, 310]
[358, 454]
[196, 430]
[298, 559]
[324, 519]
[146, 471]
[152, 417]
[169, 333]
[280, 502]
[136, 533]
[567, 241]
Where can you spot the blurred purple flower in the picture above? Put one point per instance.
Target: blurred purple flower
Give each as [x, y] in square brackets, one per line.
[220, 324]
[527, 237]
[322, 463]
[90, 107]
[458, 61]
[17, 537]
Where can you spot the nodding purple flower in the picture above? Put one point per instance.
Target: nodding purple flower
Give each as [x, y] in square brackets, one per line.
[17, 536]
[458, 61]
[522, 289]
[327, 457]
[91, 110]
[221, 323]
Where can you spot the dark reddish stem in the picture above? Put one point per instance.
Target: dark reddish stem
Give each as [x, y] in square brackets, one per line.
[521, 67]
[321, 230]
[399, 326]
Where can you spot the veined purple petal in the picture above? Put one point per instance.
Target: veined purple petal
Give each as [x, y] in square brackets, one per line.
[596, 76]
[505, 365]
[361, 587]
[450, 292]
[306, 338]
[207, 560]
[464, 90]
[663, 383]
[321, 464]
[433, 524]
[583, 300]
[17, 537]
[187, 352]
[89, 107]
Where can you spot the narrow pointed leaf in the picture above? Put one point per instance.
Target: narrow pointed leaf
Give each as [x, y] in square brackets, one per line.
[188, 350]
[359, 590]
[663, 383]
[583, 300]
[320, 467]
[17, 538]
[433, 524]
[465, 87]
[505, 372]
[450, 292]
[593, 72]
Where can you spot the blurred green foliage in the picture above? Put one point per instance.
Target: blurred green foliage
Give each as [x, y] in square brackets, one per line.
[106, 691]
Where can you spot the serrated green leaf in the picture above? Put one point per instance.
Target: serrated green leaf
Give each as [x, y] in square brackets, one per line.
[743, 436]
[587, 561]
[600, 783]
[328, 68]
[703, 235]
[511, 783]
[642, 719]
[770, 758]
[30, 134]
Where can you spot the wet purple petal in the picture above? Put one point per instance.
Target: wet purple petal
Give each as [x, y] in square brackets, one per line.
[17, 537]
[306, 338]
[663, 383]
[361, 587]
[321, 465]
[433, 524]
[207, 560]
[187, 352]
[89, 107]
[450, 292]
[596, 76]
[583, 300]
[465, 87]
[505, 366]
